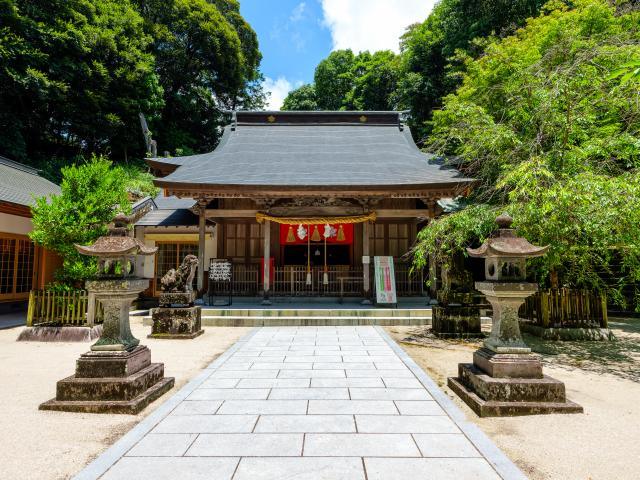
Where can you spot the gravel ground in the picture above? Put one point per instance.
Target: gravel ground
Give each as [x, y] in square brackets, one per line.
[56, 445]
[603, 377]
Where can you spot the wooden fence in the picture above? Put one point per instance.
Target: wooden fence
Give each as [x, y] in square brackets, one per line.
[566, 308]
[61, 308]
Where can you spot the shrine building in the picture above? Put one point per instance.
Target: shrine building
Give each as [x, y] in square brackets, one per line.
[314, 195]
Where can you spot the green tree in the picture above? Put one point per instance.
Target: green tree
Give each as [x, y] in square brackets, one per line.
[207, 60]
[302, 98]
[554, 140]
[91, 195]
[430, 50]
[333, 80]
[375, 81]
[367, 81]
[73, 75]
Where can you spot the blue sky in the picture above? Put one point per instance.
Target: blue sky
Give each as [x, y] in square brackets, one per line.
[295, 35]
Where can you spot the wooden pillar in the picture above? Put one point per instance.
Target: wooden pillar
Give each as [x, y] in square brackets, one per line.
[202, 208]
[267, 261]
[366, 259]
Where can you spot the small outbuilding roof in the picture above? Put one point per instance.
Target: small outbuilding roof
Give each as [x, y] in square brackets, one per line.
[311, 149]
[170, 212]
[20, 183]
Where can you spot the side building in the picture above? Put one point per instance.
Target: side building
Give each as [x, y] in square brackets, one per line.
[23, 265]
[170, 224]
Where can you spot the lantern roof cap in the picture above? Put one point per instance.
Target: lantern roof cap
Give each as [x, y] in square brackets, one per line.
[118, 242]
[504, 243]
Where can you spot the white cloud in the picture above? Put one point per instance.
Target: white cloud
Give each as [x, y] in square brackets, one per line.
[298, 12]
[372, 24]
[278, 90]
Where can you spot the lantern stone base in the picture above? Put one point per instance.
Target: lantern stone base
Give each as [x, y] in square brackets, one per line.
[176, 322]
[498, 384]
[111, 382]
[456, 322]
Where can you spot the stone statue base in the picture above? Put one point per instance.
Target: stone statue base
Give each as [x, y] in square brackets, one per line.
[456, 321]
[177, 299]
[111, 382]
[176, 322]
[509, 384]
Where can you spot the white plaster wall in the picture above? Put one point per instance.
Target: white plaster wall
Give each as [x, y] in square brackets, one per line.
[15, 224]
[210, 248]
[149, 261]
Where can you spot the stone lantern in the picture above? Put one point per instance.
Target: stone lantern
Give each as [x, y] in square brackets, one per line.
[116, 375]
[505, 377]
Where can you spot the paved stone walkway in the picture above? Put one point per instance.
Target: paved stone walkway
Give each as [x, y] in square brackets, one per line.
[307, 403]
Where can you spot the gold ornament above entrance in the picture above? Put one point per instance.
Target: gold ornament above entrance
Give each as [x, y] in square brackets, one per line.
[369, 217]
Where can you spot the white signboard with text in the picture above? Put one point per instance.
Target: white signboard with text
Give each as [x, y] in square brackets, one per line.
[385, 279]
[220, 270]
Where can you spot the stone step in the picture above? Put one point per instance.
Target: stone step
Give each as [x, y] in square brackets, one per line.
[309, 321]
[328, 320]
[317, 312]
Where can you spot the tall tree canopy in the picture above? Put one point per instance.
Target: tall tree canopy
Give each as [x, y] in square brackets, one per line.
[344, 81]
[429, 49]
[555, 140]
[74, 74]
[334, 80]
[302, 98]
[207, 60]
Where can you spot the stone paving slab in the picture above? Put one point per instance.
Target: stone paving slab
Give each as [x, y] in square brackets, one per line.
[307, 403]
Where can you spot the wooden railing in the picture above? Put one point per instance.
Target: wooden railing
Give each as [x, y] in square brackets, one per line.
[291, 281]
[409, 283]
[566, 308]
[47, 307]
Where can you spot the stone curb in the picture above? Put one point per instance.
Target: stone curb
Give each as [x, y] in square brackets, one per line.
[108, 458]
[498, 460]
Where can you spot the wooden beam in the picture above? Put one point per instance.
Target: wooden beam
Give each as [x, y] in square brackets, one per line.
[202, 223]
[333, 211]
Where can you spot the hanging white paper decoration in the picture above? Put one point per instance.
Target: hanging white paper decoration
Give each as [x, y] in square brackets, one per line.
[302, 232]
[329, 231]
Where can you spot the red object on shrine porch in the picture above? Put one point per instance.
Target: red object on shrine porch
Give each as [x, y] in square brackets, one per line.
[272, 271]
[343, 234]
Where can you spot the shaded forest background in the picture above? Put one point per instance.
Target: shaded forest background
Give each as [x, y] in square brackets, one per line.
[74, 75]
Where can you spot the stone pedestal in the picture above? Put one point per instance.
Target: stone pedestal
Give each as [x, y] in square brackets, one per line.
[111, 382]
[176, 322]
[505, 378]
[454, 321]
[117, 375]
